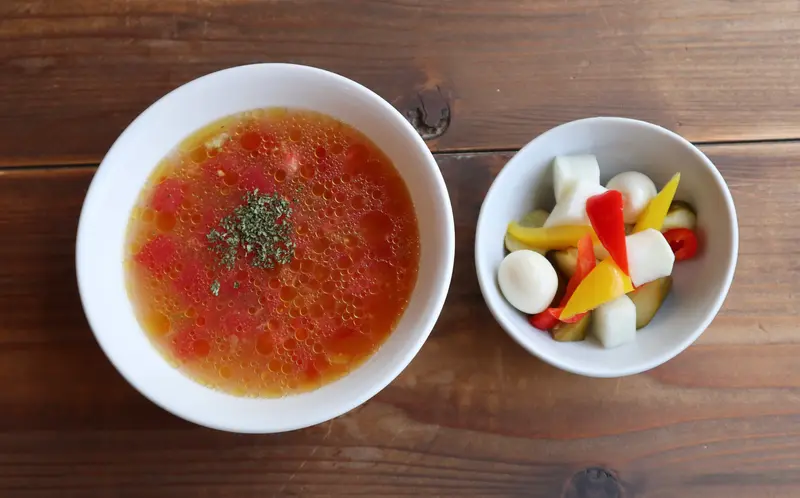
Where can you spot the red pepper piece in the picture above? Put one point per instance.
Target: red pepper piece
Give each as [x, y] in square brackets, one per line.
[573, 319]
[586, 263]
[683, 243]
[545, 320]
[550, 317]
[605, 214]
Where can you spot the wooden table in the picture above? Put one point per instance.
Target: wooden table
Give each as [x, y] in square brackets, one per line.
[474, 414]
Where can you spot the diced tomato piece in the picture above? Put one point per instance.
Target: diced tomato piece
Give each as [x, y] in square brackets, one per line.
[683, 243]
[257, 178]
[193, 284]
[232, 283]
[208, 219]
[158, 255]
[222, 165]
[168, 195]
[291, 163]
[323, 164]
[355, 159]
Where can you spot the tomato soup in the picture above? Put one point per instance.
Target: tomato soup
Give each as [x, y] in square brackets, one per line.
[272, 252]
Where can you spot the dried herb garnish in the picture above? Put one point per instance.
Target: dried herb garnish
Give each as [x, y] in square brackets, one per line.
[215, 287]
[259, 230]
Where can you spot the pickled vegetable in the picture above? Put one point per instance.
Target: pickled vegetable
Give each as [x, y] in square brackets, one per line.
[683, 243]
[636, 189]
[528, 281]
[649, 298]
[560, 237]
[680, 215]
[650, 256]
[585, 264]
[656, 211]
[605, 214]
[614, 323]
[534, 219]
[572, 332]
[603, 284]
[566, 261]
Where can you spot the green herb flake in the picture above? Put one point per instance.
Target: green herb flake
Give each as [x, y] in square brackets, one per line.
[260, 230]
[236, 285]
[215, 287]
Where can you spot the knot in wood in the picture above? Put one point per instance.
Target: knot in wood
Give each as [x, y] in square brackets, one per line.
[593, 482]
[431, 115]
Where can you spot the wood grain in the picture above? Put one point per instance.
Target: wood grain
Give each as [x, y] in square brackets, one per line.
[473, 415]
[74, 73]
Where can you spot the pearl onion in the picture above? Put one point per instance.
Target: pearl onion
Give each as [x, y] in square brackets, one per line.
[636, 189]
[528, 281]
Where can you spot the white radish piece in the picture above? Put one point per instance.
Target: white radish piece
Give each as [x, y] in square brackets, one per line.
[571, 210]
[528, 281]
[649, 256]
[637, 189]
[568, 171]
[614, 323]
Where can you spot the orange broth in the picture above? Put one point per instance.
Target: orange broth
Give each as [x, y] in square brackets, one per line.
[299, 325]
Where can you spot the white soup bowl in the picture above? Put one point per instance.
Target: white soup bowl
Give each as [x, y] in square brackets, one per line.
[125, 170]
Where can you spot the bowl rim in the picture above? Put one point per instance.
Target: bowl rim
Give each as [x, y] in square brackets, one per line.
[439, 289]
[711, 312]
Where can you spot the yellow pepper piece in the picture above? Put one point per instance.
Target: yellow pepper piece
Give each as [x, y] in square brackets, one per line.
[656, 211]
[560, 237]
[603, 284]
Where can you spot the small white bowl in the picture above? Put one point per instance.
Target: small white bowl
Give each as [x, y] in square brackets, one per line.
[124, 171]
[700, 285]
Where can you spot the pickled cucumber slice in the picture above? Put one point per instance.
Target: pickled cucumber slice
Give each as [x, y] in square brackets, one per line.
[649, 298]
[566, 261]
[572, 332]
[534, 219]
